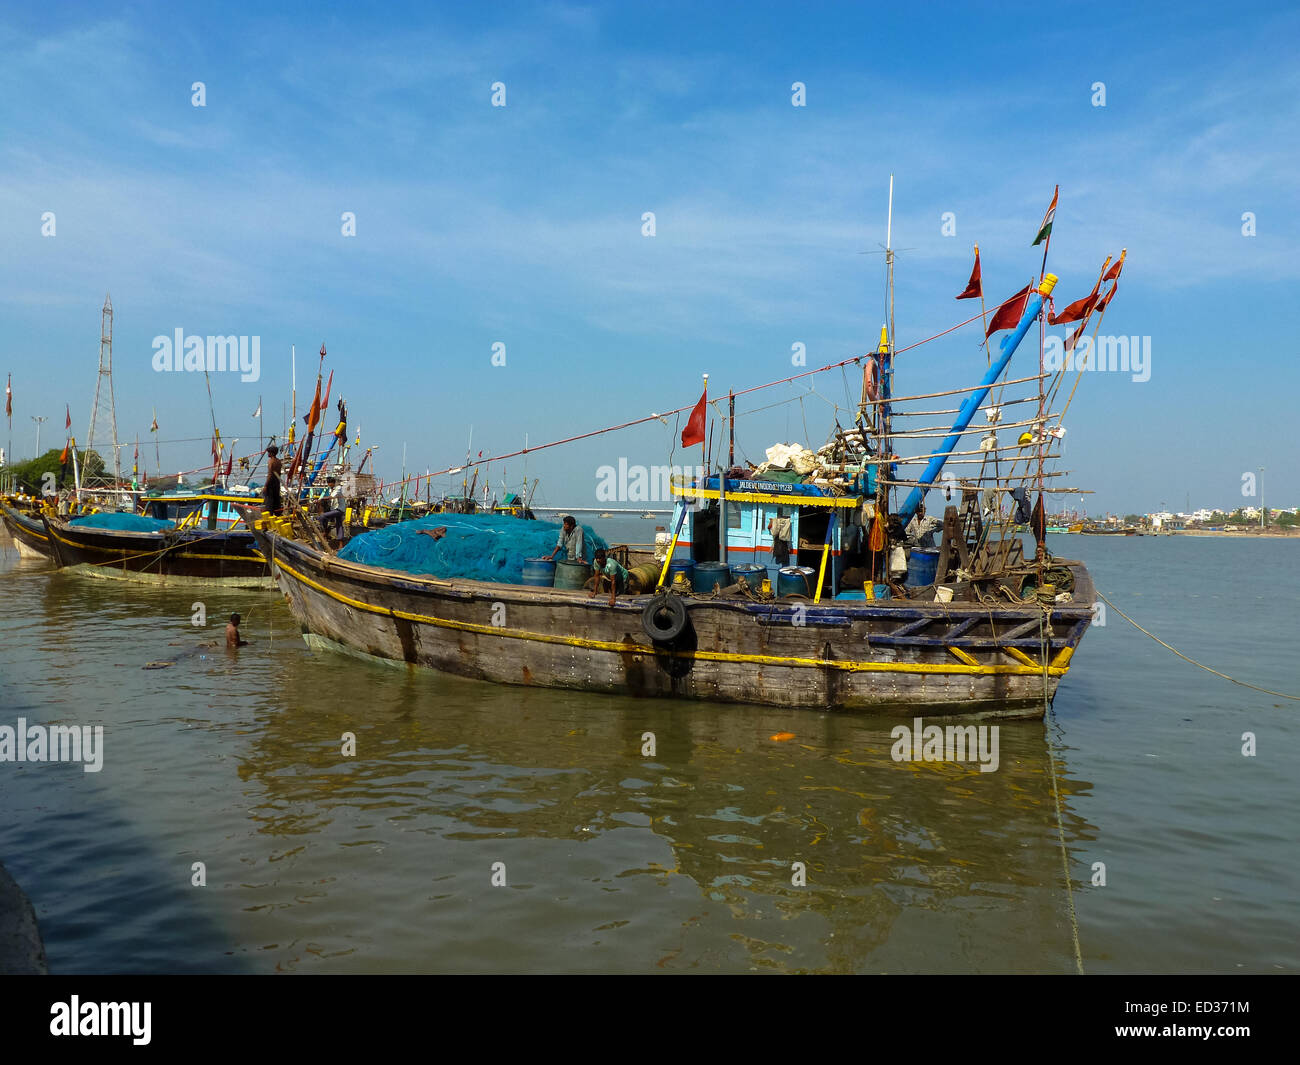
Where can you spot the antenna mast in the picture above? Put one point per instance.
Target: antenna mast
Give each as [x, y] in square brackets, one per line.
[105, 379]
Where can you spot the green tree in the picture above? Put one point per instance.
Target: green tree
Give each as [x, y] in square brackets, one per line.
[30, 475]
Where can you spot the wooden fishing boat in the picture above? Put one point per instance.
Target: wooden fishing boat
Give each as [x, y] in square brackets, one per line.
[864, 618]
[22, 521]
[202, 548]
[959, 658]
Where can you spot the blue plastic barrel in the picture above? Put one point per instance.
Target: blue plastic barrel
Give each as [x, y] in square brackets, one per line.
[752, 573]
[709, 574]
[797, 580]
[539, 572]
[921, 564]
[684, 566]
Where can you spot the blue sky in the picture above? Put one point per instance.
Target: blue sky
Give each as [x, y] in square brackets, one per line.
[522, 224]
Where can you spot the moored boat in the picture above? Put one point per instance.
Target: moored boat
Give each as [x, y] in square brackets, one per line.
[198, 548]
[22, 521]
[857, 609]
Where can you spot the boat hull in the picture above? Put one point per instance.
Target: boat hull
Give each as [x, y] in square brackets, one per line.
[197, 557]
[901, 657]
[27, 531]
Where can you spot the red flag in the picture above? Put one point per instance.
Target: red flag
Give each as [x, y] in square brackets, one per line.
[1007, 315]
[1105, 300]
[230, 464]
[1113, 273]
[974, 289]
[694, 431]
[1077, 310]
[1074, 337]
[9, 391]
[67, 424]
[329, 387]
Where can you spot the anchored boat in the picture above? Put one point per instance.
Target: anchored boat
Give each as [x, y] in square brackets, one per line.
[803, 582]
[200, 545]
[22, 520]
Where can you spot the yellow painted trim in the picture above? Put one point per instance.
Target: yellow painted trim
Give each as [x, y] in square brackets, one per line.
[124, 554]
[962, 656]
[1063, 656]
[757, 497]
[699, 656]
[1016, 652]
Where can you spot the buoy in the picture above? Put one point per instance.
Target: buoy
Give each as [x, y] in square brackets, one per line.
[781, 737]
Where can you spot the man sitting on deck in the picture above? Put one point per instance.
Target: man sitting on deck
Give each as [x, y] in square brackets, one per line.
[570, 540]
[607, 569]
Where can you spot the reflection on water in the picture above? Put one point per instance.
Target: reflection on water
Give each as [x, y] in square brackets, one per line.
[613, 860]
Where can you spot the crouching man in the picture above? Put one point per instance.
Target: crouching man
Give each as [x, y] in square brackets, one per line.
[607, 569]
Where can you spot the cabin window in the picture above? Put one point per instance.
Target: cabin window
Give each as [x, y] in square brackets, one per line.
[735, 516]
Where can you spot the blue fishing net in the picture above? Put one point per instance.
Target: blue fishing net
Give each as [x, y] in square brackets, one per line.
[481, 547]
[122, 522]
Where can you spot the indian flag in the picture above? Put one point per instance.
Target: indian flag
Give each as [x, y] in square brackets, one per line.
[1045, 229]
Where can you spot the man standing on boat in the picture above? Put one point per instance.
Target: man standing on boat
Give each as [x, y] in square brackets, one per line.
[608, 569]
[271, 490]
[570, 540]
[920, 530]
[333, 500]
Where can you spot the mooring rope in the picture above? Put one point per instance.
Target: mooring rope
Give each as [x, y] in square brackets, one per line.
[1186, 658]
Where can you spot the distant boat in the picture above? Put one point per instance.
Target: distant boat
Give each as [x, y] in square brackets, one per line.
[647, 514]
[607, 514]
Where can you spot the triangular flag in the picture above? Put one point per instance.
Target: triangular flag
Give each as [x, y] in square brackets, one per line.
[1009, 313]
[9, 403]
[67, 424]
[1113, 273]
[694, 432]
[974, 289]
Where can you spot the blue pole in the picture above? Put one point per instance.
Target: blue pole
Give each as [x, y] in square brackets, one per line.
[940, 454]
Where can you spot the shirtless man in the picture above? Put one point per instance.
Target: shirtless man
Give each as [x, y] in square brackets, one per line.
[233, 642]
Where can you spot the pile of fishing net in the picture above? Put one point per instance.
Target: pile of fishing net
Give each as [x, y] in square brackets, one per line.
[480, 547]
[120, 521]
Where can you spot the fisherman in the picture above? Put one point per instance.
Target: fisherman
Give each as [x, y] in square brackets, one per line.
[607, 569]
[271, 490]
[570, 540]
[333, 499]
[920, 530]
[232, 634]
[780, 529]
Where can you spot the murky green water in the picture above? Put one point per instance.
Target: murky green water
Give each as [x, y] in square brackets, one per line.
[617, 861]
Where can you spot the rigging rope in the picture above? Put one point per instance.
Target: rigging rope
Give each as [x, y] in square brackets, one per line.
[1186, 658]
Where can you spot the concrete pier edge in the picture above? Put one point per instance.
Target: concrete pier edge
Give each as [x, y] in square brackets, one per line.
[21, 950]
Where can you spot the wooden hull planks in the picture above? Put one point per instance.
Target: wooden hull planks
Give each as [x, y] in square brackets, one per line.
[190, 557]
[27, 531]
[956, 659]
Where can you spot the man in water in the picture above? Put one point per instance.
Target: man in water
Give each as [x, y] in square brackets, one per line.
[570, 540]
[233, 642]
[608, 569]
[271, 490]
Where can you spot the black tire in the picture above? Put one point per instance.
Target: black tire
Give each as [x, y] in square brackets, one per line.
[664, 618]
